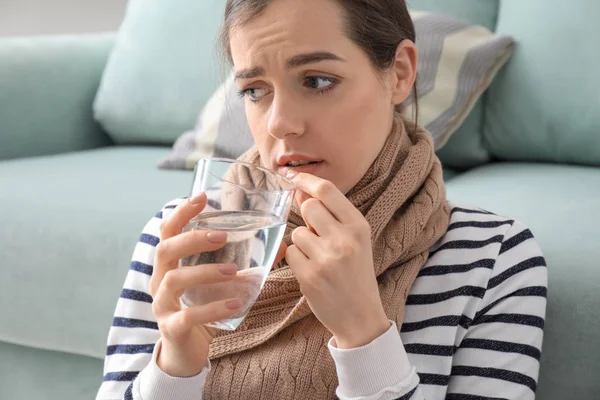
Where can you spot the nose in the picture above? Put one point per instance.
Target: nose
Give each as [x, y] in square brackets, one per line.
[286, 118]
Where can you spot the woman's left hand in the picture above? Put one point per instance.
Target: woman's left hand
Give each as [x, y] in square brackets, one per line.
[333, 262]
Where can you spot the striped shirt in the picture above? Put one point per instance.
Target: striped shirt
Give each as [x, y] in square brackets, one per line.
[472, 330]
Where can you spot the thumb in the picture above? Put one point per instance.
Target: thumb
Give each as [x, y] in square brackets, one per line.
[280, 253]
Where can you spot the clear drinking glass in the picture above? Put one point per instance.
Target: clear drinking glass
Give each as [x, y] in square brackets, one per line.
[252, 205]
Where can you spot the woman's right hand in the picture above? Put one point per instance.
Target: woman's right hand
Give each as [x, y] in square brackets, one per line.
[185, 339]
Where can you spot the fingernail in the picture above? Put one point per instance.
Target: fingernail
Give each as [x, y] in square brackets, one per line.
[233, 304]
[228, 269]
[291, 174]
[197, 199]
[216, 237]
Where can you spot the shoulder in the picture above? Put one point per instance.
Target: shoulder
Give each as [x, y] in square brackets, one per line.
[472, 227]
[484, 227]
[477, 238]
[472, 230]
[482, 259]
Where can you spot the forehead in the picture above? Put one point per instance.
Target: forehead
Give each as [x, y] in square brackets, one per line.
[289, 26]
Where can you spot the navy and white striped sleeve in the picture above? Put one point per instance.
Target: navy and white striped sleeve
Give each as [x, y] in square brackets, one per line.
[134, 331]
[499, 357]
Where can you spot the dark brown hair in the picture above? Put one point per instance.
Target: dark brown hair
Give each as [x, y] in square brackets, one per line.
[376, 26]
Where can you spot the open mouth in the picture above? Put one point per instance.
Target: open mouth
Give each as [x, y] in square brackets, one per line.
[300, 163]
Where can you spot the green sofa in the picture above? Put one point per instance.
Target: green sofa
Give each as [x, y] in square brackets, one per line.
[73, 203]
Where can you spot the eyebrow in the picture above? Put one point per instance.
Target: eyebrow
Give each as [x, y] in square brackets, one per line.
[311, 58]
[294, 62]
[250, 73]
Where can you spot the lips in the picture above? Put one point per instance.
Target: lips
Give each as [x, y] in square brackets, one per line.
[299, 163]
[311, 168]
[296, 160]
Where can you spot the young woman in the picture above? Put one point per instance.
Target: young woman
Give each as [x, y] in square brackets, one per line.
[385, 289]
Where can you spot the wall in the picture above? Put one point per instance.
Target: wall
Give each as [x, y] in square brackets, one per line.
[39, 17]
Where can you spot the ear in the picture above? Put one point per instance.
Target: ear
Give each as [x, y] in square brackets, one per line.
[404, 71]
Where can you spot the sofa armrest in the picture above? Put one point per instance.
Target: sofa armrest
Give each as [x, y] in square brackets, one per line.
[47, 88]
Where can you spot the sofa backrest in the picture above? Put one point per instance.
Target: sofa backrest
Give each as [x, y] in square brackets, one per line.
[47, 86]
[545, 104]
[475, 11]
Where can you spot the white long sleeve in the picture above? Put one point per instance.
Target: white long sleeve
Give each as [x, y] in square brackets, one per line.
[154, 384]
[380, 370]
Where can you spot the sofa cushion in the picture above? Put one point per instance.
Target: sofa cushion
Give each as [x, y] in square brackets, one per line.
[544, 105]
[560, 205]
[30, 374]
[162, 70]
[69, 226]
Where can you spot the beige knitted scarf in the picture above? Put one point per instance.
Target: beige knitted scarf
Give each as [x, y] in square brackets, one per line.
[280, 350]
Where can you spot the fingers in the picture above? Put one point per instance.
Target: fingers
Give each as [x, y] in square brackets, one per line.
[190, 243]
[171, 250]
[295, 258]
[182, 215]
[325, 191]
[177, 280]
[318, 217]
[307, 242]
[181, 322]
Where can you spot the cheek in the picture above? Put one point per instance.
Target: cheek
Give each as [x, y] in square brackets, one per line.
[258, 126]
[361, 118]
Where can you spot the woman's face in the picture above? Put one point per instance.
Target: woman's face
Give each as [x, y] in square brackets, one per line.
[312, 95]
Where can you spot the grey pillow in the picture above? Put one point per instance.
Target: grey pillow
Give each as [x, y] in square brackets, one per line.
[457, 63]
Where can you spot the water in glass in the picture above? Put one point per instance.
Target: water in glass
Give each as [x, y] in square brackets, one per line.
[253, 239]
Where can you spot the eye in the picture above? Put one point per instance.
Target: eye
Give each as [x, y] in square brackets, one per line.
[319, 82]
[254, 94]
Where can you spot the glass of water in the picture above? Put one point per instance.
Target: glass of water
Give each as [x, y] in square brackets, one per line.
[251, 204]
